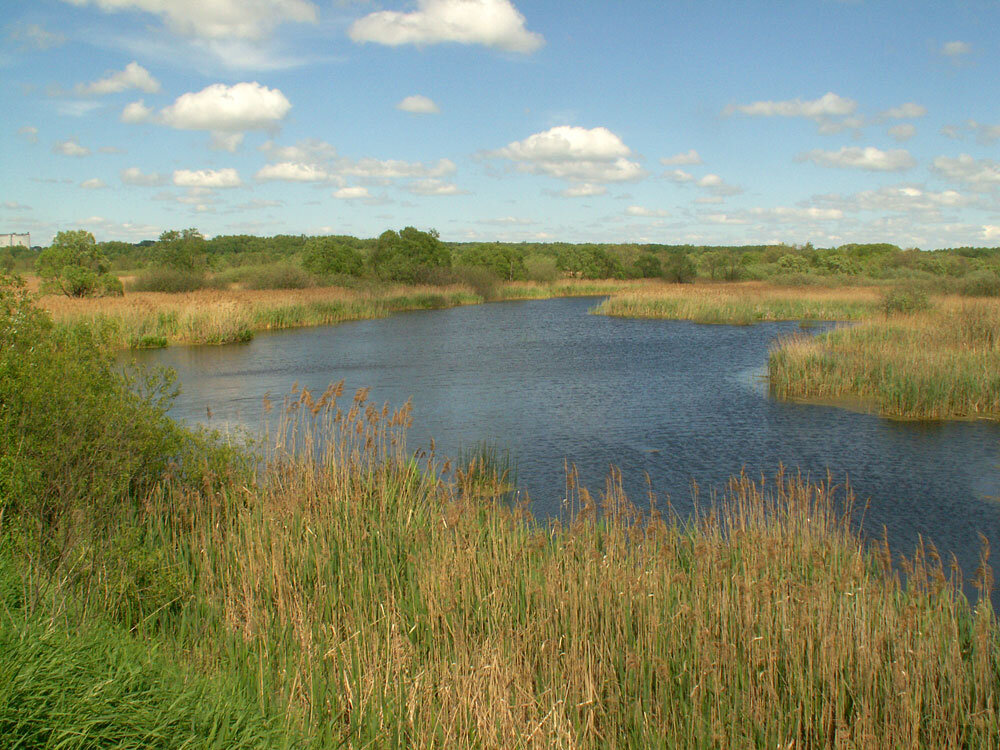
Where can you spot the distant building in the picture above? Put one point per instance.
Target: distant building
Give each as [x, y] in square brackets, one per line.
[15, 240]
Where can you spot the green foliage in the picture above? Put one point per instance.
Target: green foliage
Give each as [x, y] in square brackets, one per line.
[590, 262]
[648, 266]
[541, 268]
[980, 284]
[679, 268]
[180, 250]
[504, 261]
[81, 437]
[98, 688]
[109, 285]
[482, 280]
[408, 255]
[73, 265]
[277, 276]
[905, 299]
[330, 256]
[171, 280]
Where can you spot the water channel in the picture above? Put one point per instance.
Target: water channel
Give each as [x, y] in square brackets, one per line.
[680, 402]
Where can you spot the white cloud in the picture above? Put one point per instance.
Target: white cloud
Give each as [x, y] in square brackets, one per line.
[574, 154]
[136, 112]
[207, 178]
[679, 175]
[648, 212]
[352, 193]
[902, 132]
[717, 186]
[134, 76]
[93, 183]
[134, 176]
[70, 148]
[985, 133]
[981, 174]
[418, 105]
[724, 219]
[950, 131]
[855, 157]
[308, 151]
[790, 214]
[289, 171]
[828, 105]
[387, 169]
[907, 111]
[687, 157]
[956, 49]
[583, 190]
[30, 133]
[217, 19]
[33, 35]
[15, 206]
[226, 141]
[434, 187]
[506, 221]
[991, 232]
[227, 109]
[907, 198]
[493, 23]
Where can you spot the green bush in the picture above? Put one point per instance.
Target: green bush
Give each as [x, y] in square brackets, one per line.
[541, 268]
[481, 280]
[409, 255]
[73, 265]
[170, 280]
[982, 283]
[906, 299]
[328, 256]
[277, 276]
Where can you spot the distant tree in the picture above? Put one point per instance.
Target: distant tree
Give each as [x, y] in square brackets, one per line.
[679, 268]
[75, 266]
[648, 266]
[505, 261]
[408, 255]
[328, 256]
[183, 251]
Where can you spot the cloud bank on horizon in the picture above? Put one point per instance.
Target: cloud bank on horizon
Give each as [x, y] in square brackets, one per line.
[503, 120]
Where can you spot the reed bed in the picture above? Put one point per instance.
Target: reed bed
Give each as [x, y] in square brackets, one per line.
[933, 364]
[376, 599]
[742, 303]
[151, 319]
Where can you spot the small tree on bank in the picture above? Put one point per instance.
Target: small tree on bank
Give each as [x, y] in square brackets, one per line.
[75, 266]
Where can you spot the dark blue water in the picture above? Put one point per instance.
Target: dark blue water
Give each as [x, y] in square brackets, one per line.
[679, 401]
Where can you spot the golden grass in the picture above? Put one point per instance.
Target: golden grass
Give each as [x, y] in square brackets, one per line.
[742, 303]
[224, 316]
[376, 605]
[935, 364]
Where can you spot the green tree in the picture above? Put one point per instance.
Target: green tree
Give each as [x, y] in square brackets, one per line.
[328, 256]
[74, 265]
[505, 261]
[679, 268]
[182, 251]
[648, 266]
[408, 255]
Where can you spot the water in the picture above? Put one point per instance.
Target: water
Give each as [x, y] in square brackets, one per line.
[680, 402]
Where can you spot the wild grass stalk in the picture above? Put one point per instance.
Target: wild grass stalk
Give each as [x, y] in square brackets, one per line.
[371, 602]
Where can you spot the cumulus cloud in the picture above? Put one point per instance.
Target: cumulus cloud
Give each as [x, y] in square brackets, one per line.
[647, 212]
[418, 105]
[991, 232]
[687, 157]
[434, 187]
[717, 186]
[902, 132]
[207, 178]
[227, 109]
[574, 154]
[389, 169]
[788, 214]
[985, 133]
[136, 112]
[29, 132]
[308, 151]
[679, 175]
[93, 183]
[70, 147]
[217, 19]
[493, 23]
[290, 171]
[907, 199]
[855, 157]
[33, 35]
[352, 193]
[134, 76]
[956, 49]
[978, 174]
[134, 176]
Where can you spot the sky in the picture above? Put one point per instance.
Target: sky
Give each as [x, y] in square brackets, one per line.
[651, 121]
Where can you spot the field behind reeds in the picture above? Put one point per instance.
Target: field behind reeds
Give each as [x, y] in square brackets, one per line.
[149, 319]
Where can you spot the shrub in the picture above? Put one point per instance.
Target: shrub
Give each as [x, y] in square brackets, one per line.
[679, 268]
[172, 280]
[541, 268]
[327, 256]
[980, 284]
[908, 299]
[73, 264]
[110, 285]
[482, 280]
[278, 276]
[407, 255]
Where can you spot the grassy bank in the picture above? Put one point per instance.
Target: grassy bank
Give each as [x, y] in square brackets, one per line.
[141, 319]
[742, 303]
[158, 587]
[939, 363]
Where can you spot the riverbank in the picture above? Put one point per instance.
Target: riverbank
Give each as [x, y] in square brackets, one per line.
[152, 319]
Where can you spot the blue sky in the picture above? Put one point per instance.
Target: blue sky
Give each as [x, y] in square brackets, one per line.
[822, 121]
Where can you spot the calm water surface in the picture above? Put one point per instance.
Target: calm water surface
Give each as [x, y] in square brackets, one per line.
[682, 402]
